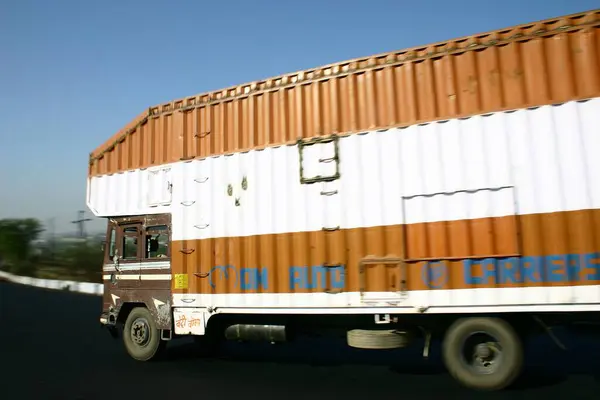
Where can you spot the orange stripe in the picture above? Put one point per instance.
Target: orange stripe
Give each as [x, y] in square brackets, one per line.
[560, 233]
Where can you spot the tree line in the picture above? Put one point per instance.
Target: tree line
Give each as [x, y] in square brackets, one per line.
[22, 253]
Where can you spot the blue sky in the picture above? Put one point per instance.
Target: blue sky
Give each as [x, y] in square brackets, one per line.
[73, 72]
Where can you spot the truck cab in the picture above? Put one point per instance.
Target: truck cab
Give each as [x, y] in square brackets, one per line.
[137, 275]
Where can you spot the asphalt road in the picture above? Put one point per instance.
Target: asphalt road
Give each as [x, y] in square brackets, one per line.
[52, 347]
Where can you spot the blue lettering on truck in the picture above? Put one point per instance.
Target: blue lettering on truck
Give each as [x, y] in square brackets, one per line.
[529, 270]
[304, 277]
[315, 277]
[242, 278]
[556, 268]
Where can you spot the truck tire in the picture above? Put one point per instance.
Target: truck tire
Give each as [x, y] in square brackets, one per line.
[141, 337]
[483, 366]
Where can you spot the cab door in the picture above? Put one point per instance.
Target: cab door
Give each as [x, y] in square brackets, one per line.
[109, 273]
[156, 265]
[128, 263]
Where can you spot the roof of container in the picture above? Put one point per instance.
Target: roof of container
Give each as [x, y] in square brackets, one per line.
[344, 67]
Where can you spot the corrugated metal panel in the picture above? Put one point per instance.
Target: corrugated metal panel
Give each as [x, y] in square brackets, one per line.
[547, 154]
[546, 62]
[131, 193]
[560, 249]
[517, 189]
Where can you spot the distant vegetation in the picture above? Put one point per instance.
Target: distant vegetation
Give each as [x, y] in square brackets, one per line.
[22, 253]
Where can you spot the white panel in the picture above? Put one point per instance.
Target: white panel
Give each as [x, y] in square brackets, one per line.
[159, 184]
[265, 214]
[585, 125]
[435, 301]
[153, 193]
[331, 207]
[370, 180]
[281, 196]
[126, 193]
[189, 321]
[548, 154]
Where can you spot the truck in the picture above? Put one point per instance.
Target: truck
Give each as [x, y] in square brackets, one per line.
[449, 191]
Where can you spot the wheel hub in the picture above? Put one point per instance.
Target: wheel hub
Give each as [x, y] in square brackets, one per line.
[140, 332]
[481, 354]
[483, 351]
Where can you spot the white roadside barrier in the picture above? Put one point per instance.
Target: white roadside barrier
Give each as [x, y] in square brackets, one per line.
[71, 286]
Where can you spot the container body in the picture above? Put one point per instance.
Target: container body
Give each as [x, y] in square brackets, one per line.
[491, 210]
[459, 177]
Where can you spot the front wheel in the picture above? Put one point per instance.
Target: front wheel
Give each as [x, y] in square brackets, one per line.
[141, 337]
[483, 353]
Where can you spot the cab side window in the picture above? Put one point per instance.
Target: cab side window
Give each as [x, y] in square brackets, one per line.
[157, 242]
[112, 243]
[130, 244]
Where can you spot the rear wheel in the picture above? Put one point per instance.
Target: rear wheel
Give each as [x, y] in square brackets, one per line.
[141, 337]
[483, 353]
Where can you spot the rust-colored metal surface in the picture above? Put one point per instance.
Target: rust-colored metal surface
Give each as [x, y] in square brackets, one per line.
[556, 249]
[546, 62]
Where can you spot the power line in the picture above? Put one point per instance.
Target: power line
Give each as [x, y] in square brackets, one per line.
[80, 221]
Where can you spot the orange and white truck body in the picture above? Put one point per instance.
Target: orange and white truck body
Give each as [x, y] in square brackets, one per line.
[459, 177]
